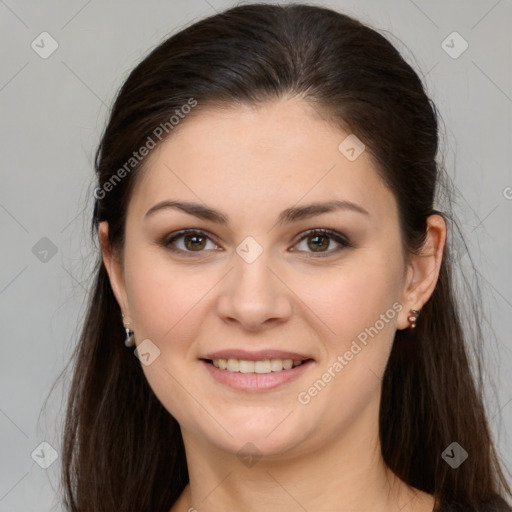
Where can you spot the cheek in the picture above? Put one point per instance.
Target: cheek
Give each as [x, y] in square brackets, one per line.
[162, 297]
[359, 304]
[167, 306]
[354, 296]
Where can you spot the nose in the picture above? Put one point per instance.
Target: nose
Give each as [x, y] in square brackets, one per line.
[254, 296]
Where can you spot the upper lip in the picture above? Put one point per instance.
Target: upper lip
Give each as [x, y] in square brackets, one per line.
[259, 355]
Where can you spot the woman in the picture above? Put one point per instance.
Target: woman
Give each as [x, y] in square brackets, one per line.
[273, 324]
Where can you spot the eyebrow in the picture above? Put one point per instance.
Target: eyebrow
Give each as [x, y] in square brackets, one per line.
[287, 216]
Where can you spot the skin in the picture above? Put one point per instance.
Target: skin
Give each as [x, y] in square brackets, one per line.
[252, 163]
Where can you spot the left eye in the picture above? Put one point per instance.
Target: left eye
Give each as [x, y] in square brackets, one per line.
[317, 240]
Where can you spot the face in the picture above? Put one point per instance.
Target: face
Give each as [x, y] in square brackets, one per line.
[261, 280]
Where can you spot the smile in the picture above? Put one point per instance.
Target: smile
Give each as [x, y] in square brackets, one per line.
[255, 376]
[264, 366]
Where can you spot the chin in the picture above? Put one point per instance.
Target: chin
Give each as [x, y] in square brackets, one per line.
[273, 433]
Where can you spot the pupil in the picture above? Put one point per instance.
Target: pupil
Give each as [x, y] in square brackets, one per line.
[321, 246]
[194, 244]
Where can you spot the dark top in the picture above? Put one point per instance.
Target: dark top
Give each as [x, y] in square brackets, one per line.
[495, 504]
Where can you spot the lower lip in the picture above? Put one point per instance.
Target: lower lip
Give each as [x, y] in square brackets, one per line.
[256, 381]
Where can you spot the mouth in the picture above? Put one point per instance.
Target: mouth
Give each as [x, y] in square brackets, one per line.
[255, 366]
[255, 371]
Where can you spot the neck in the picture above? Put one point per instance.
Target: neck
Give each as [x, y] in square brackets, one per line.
[346, 473]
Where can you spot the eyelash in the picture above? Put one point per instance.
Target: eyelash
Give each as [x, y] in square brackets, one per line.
[334, 235]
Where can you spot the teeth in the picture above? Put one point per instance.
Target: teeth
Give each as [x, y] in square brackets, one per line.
[276, 365]
[266, 366]
[245, 366]
[233, 365]
[262, 366]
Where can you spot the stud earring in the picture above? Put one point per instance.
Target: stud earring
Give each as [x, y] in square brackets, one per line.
[130, 338]
[413, 317]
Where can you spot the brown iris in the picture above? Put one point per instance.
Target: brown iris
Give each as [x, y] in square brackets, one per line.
[195, 244]
[322, 246]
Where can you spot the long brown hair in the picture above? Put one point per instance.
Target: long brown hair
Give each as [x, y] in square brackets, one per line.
[121, 449]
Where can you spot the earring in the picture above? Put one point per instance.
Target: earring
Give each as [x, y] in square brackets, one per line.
[130, 339]
[413, 317]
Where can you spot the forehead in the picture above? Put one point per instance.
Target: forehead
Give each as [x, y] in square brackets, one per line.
[252, 158]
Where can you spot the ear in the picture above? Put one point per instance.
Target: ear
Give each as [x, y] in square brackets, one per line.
[423, 269]
[114, 268]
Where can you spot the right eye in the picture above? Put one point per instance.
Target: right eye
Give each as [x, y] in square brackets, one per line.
[192, 241]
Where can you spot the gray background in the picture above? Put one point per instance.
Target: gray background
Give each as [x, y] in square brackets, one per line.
[53, 112]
